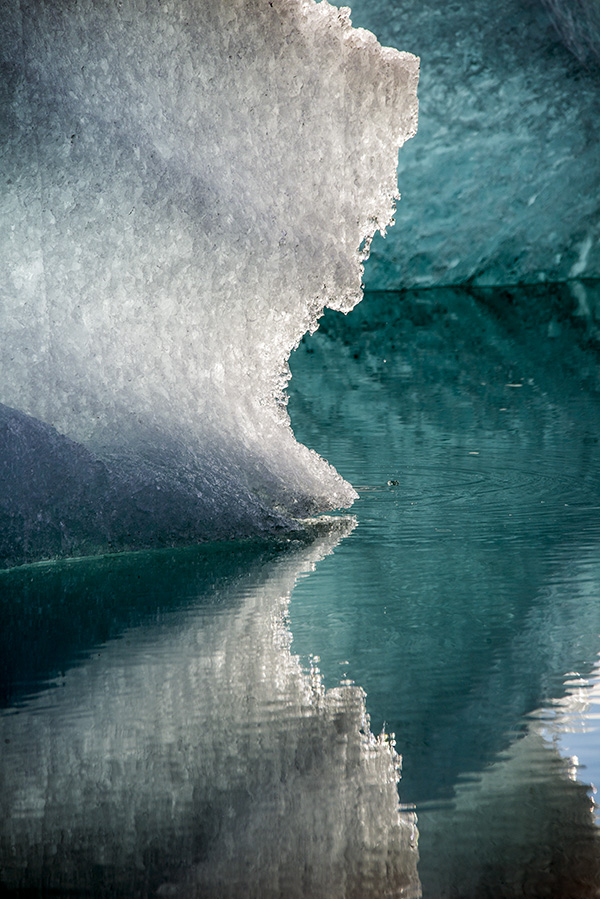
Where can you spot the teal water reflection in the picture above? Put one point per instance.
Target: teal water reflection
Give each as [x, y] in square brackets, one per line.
[469, 594]
[54, 616]
[172, 725]
[158, 738]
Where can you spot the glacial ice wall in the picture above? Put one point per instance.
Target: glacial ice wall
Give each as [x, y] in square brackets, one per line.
[578, 24]
[185, 187]
[501, 184]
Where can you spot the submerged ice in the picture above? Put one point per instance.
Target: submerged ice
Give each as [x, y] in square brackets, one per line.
[185, 188]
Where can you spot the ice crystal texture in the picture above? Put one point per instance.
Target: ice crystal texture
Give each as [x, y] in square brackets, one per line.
[185, 187]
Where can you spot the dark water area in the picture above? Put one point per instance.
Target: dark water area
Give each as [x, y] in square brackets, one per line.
[202, 722]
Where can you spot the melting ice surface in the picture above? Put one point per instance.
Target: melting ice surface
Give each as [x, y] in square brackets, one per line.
[185, 187]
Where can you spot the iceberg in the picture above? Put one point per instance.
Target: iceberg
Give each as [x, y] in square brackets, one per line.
[185, 188]
[501, 185]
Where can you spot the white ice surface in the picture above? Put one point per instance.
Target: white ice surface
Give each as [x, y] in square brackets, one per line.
[185, 186]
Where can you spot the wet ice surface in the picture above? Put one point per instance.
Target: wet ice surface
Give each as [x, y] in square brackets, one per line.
[167, 733]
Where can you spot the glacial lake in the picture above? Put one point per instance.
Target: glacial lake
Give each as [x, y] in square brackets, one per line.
[210, 721]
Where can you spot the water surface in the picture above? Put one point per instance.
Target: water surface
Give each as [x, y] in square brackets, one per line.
[203, 722]
[160, 739]
[467, 600]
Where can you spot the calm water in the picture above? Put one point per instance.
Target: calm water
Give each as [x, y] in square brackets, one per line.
[194, 723]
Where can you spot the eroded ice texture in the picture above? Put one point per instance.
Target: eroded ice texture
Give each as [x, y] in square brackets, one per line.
[501, 184]
[578, 24]
[194, 756]
[184, 187]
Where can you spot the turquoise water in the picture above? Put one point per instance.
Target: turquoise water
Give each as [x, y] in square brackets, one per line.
[194, 722]
[467, 600]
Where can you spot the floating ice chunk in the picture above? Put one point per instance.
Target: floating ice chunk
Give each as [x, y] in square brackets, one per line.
[186, 187]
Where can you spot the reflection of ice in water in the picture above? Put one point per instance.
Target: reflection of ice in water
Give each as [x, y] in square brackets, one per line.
[526, 820]
[573, 725]
[196, 757]
[522, 825]
[521, 828]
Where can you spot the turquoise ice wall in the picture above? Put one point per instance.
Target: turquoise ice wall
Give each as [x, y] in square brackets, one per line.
[501, 184]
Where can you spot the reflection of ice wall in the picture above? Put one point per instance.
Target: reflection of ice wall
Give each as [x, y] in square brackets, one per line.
[498, 497]
[184, 188]
[523, 827]
[196, 757]
[473, 585]
[534, 798]
[501, 184]
[572, 722]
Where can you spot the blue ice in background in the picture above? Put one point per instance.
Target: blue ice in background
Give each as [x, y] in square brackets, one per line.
[501, 184]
